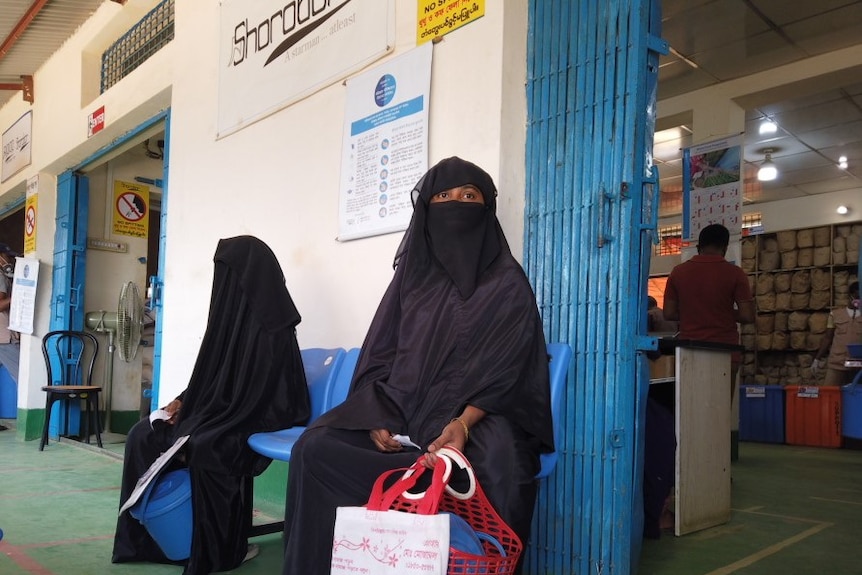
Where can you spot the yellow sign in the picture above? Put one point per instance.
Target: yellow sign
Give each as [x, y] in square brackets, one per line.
[131, 209]
[436, 18]
[31, 205]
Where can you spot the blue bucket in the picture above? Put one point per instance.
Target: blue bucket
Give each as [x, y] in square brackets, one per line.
[8, 395]
[165, 510]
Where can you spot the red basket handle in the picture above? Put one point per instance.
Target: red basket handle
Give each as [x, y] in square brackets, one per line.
[382, 499]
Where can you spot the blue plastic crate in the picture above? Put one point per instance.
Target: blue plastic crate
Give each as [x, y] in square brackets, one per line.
[761, 413]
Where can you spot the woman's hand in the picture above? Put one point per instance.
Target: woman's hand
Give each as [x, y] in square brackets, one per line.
[454, 435]
[382, 439]
[173, 408]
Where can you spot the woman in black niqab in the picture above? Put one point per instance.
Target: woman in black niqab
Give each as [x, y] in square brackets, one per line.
[456, 345]
[248, 378]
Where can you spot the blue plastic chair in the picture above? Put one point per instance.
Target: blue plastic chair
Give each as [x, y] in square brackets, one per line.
[341, 385]
[561, 357]
[321, 371]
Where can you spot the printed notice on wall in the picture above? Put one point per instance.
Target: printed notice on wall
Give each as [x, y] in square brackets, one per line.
[23, 304]
[385, 145]
[17, 146]
[712, 188]
[131, 209]
[436, 18]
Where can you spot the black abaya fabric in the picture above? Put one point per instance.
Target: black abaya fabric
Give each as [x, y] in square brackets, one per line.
[248, 378]
[430, 352]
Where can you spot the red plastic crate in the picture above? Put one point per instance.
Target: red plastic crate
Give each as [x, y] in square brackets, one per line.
[813, 415]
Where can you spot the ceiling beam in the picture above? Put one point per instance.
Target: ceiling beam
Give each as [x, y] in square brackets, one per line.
[26, 86]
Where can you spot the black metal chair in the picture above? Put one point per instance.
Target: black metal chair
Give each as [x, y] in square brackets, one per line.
[69, 358]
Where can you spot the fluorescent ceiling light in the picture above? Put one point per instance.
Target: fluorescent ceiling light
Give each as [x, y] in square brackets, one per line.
[768, 127]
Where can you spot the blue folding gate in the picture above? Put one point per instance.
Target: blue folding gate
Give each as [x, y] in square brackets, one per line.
[591, 209]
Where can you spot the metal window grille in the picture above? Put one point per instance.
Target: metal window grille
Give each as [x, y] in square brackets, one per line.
[142, 41]
[669, 240]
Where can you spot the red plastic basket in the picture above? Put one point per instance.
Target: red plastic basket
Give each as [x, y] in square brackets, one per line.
[473, 506]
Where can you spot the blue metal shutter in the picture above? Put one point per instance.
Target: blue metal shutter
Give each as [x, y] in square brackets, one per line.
[589, 221]
[69, 273]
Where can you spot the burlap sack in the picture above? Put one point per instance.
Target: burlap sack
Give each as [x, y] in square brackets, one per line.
[798, 339]
[805, 257]
[839, 258]
[856, 229]
[853, 243]
[764, 284]
[788, 260]
[797, 321]
[822, 237]
[773, 380]
[786, 240]
[748, 328]
[780, 323]
[839, 278]
[812, 340]
[752, 282]
[792, 380]
[852, 257]
[759, 379]
[805, 238]
[782, 282]
[769, 261]
[841, 300]
[749, 341]
[765, 323]
[799, 301]
[843, 231]
[819, 299]
[764, 342]
[822, 256]
[820, 279]
[748, 248]
[749, 358]
[841, 290]
[766, 302]
[800, 282]
[790, 360]
[779, 340]
[770, 244]
[748, 370]
[805, 359]
[748, 265]
[782, 301]
[839, 244]
[817, 322]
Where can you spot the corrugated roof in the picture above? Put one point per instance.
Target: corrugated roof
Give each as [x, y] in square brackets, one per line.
[53, 24]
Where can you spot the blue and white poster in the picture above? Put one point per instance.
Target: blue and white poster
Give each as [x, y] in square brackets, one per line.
[712, 186]
[385, 145]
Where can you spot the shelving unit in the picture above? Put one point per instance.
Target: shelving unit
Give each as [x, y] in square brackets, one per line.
[797, 277]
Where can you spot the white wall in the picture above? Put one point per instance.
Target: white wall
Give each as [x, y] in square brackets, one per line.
[278, 179]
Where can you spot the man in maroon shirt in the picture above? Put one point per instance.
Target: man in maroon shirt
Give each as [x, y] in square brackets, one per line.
[709, 295]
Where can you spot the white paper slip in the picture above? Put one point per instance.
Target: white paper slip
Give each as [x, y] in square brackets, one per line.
[405, 441]
[159, 414]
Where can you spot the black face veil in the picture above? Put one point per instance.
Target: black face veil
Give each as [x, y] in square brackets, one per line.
[463, 238]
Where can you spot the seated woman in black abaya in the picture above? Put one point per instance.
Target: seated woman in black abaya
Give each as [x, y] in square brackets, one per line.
[454, 355]
[248, 378]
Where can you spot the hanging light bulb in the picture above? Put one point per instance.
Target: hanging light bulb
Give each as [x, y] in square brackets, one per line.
[767, 171]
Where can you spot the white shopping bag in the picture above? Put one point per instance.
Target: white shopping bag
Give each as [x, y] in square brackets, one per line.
[389, 542]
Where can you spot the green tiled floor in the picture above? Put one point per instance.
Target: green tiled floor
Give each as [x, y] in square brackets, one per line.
[797, 511]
